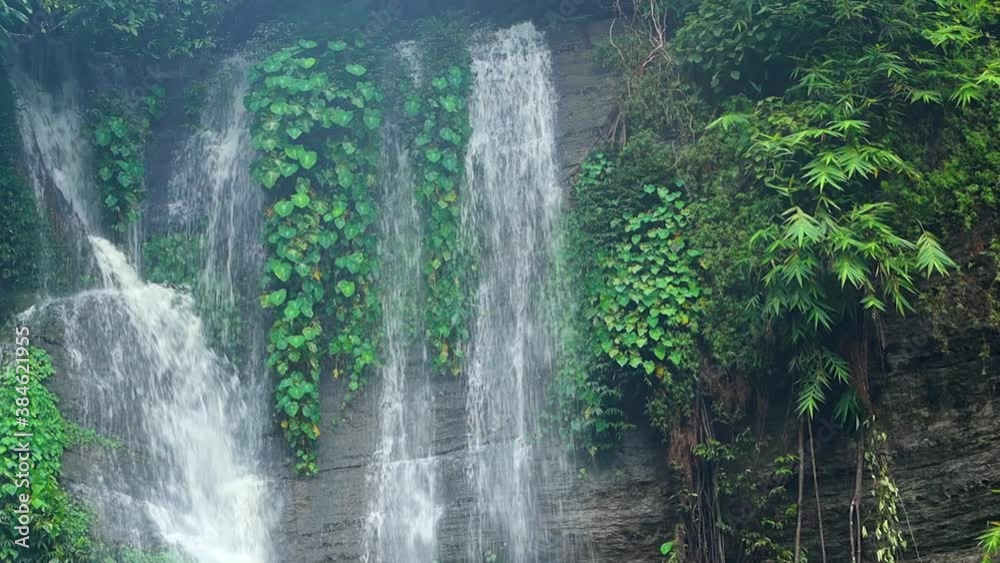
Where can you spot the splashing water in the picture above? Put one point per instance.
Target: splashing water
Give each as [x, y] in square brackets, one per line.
[203, 499]
[143, 373]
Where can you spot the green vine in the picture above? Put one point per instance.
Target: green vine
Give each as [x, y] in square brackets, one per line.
[645, 311]
[119, 141]
[438, 117]
[591, 417]
[316, 127]
[887, 532]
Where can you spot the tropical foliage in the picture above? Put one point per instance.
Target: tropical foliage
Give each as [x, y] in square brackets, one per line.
[157, 28]
[805, 139]
[60, 528]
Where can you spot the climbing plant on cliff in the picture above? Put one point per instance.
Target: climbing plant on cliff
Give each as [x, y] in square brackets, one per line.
[813, 155]
[645, 310]
[438, 117]
[316, 122]
[120, 129]
[638, 277]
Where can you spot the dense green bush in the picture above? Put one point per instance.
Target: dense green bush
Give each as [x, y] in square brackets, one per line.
[59, 526]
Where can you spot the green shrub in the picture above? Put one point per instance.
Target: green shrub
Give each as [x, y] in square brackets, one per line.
[172, 259]
[59, 526]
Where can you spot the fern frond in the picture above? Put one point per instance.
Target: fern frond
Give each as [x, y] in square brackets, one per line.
[729, 121]
[931, 257]
[989, 542]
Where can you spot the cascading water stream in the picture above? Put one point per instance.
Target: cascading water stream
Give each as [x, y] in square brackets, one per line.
[212, 195]
[404, 512]
[144, 373]
[514, 200]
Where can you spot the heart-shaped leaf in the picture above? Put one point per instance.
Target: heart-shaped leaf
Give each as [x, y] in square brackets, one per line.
[341, 117]
[356, 69]
[282, 271]
[347, 288]
[373, 119]
[277, 298]
[308, 159]
[284, 208]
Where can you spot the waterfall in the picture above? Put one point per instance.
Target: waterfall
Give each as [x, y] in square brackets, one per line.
[51, 124]
[143, 373]
[212, 195]
[509, 215]
[514, 199]
[404, 512]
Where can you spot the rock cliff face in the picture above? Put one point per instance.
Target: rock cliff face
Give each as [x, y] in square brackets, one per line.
[938, 398]
[616, 512]
[938, 392]
[938, 389]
